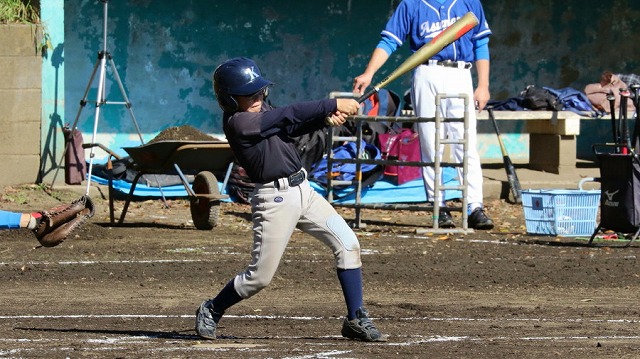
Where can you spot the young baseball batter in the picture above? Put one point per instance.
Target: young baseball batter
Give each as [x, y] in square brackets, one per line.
[449, 72]
[261, 139]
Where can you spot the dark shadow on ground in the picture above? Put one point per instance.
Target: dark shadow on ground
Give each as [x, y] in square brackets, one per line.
[136, 333]
[242, 215]
[577, 243]
[144, 225]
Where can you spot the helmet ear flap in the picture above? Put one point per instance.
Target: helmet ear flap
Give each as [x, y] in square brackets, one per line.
[227, 102]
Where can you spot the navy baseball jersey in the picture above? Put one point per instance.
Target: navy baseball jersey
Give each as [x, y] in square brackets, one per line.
[262, 141]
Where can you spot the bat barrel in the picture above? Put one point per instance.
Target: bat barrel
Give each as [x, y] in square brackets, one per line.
[428, 50]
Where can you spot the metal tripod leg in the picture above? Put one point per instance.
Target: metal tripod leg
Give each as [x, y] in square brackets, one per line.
[101, 62]
[127, 104]
[99, 102]
[595, 233]
[83, 103]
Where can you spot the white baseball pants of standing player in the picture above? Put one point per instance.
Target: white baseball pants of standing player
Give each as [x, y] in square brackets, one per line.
[428, 81]
[277, 210]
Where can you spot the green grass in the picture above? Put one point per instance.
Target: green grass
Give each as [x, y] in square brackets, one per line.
[18, 11]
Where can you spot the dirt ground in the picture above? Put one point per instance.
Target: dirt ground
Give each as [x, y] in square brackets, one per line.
[132, 290]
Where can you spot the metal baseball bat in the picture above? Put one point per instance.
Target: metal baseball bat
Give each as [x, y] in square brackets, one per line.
[512, 177]
[428, 50]
[624, 93]
[612, 105]
[635, 88]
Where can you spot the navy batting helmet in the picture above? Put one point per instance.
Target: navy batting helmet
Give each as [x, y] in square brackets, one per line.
[239, 76]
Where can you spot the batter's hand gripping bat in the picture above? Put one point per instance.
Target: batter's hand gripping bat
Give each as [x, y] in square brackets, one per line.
[428, 50]
[512, 177]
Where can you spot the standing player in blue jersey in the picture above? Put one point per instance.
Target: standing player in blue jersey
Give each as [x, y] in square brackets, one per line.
[283, 200]
[449, 71]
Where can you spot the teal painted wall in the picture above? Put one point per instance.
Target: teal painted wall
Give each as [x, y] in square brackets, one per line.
[52, 140]
[560, 43]
[166, 51]
[165, 55]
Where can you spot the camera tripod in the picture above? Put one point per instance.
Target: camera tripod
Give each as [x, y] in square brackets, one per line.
[104, 57]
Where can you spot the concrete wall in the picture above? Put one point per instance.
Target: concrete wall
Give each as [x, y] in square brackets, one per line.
[20, 94]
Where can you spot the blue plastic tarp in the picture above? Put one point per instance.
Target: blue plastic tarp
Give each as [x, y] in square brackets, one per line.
[382, 191]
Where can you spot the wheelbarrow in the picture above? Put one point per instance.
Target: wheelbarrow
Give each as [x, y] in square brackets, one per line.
[199, 158]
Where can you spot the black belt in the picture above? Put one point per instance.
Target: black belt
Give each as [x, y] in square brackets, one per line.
[296, 178]
[293, 180]
[449, 63]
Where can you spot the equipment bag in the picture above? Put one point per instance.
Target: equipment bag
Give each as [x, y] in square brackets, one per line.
[347, 171]
[620, 192]
[382, 103]
[402, 146]
[538, 98]
[574, 101]
[75, 165]
[311, 147]
[239, 185]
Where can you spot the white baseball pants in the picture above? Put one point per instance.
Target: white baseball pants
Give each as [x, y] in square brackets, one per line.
[277, 210]
[428, 81]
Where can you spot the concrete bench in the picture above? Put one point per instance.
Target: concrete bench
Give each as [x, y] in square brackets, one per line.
[552, 136]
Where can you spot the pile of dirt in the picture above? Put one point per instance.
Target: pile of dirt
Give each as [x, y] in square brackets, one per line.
[183, 133]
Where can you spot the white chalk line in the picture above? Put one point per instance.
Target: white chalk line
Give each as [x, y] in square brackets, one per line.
[471, 240]
[125, 342]
[149, 343]
[321, 355]
[171, 261]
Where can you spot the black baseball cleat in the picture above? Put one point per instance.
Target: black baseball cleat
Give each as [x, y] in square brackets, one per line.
[361, 328]
[479, 220]
[207, 320]
[445, 220]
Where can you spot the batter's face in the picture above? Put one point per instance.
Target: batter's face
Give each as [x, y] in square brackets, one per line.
[251, 103]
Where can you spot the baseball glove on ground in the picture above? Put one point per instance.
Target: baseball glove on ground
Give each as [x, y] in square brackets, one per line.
[57, 223]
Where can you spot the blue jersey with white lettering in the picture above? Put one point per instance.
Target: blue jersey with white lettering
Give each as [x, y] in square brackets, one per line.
[420, 21]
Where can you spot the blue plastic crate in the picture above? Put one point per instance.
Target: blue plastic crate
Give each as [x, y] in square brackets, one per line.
[563, 213]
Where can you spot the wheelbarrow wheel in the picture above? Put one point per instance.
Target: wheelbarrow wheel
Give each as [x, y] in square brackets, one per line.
[205, 211]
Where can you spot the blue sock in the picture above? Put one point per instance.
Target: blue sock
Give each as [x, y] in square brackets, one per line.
[351, 282]
[226, 298]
